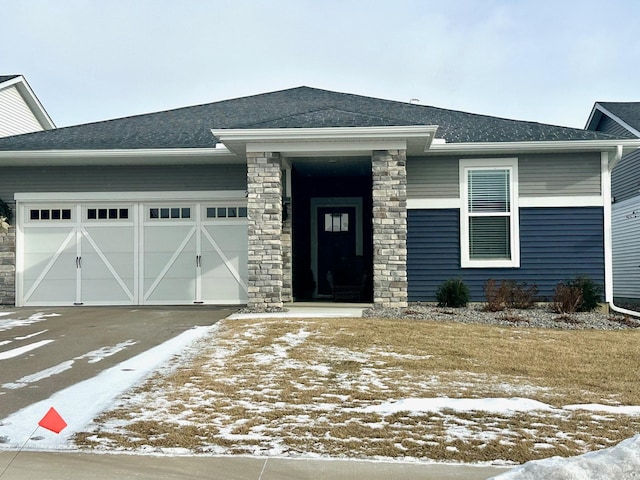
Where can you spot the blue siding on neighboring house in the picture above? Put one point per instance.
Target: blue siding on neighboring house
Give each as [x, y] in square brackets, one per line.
[555, 244]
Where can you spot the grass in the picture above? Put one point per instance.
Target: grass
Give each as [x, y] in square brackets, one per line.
[300, 386]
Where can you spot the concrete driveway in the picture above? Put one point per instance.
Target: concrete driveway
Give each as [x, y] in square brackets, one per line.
[44, 350]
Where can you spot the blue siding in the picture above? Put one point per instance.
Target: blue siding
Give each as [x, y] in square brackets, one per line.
[555, 244]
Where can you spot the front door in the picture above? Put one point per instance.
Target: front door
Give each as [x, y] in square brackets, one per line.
[336, 241]
[336, 246]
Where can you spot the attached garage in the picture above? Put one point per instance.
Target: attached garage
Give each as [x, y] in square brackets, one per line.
[87, 250]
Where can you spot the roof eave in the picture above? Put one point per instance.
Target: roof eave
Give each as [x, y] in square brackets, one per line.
[146, 156]
[534, 146]
[415, 139]
[32, 101]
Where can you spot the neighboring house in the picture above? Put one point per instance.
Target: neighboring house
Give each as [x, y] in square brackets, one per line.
[304, 194]
[20, 110]
[623, 120]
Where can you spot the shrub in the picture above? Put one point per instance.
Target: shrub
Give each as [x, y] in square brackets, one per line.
[509, 294]
[590, 290]
[567, 299]
[496, 296]
[453, 293]
[5, 211]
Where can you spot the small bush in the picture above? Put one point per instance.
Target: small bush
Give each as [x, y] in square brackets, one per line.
[590, 290]
[567, 299]
[496, 296]
[453, 293]
[5, 211]
[580, 294]
[509, 294]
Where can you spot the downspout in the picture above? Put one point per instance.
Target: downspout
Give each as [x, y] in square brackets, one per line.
[607, 168]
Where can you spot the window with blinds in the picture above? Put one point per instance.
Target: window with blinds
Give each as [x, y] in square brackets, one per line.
[489, 209]
[489, 217]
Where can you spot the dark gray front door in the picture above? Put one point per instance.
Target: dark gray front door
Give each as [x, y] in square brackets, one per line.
[336, 245]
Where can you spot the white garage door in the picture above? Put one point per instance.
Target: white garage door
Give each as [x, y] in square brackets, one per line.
[132, 253]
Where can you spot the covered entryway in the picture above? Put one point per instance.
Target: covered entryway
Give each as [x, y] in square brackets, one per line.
[132, 253]
[332, 229]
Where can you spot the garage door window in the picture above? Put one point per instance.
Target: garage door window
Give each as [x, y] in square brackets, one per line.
[169, 213]
[50, 214]
[107, 213]
[226, 212]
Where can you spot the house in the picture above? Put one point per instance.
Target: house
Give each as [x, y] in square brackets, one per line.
[20, 109]
[623, 120]
[304, 194]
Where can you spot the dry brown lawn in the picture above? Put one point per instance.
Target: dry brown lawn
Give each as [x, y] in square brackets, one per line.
[302, 386]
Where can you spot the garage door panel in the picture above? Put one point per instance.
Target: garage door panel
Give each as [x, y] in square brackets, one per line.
[106, 253]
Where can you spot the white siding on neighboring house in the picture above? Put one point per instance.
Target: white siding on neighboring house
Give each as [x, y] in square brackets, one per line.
[15, 115]
[626, 254]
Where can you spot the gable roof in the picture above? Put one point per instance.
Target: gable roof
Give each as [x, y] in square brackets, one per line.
[27, 100]
[6, 78]
[301, 107]
[625, 114]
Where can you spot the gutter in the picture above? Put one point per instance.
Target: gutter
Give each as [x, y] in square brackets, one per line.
[616, 159]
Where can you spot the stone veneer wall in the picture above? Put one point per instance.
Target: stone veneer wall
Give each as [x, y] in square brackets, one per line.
[389, 228]
[8, 267]
[264, 208]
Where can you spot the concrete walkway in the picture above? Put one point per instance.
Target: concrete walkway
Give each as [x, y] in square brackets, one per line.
[85, 466]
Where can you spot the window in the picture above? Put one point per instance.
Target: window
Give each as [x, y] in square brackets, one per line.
[169, 213]
[107, 213]
[226, 212]
[50, 214]
[489, 214]
[336, 222]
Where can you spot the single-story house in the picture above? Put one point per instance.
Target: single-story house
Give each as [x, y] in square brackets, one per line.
[20, 109]
[304, 194]
[623, 120]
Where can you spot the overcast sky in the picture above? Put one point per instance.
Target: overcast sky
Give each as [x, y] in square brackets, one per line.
[539, 60]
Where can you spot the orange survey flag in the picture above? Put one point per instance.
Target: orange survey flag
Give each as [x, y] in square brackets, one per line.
[53, 421]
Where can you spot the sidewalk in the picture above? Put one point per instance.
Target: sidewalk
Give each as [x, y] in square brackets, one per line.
[86, 466]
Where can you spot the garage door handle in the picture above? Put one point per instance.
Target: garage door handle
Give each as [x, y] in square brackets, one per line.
[198, 260]
[78, 262]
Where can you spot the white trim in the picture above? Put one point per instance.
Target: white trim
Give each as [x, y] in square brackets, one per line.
[326, 133]
[326, 148]
[142, 156]
[416, 139]
[599, 108]
[432, 203]
[523, 202]
[608, 235]
[489, 164]
[564, 201]
[31, 100]
[237, 195]
[533, 146]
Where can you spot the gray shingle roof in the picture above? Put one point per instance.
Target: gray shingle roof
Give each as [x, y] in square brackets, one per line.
[6, 78]
[628, 112]
[300, 107]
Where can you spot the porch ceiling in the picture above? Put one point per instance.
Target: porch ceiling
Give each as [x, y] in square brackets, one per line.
[332, 166]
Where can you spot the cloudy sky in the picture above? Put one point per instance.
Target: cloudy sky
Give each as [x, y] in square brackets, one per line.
[540, 60]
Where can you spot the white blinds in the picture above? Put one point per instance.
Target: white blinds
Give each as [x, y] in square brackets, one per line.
[489, 209]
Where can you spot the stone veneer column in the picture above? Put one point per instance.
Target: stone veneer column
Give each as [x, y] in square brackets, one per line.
[264, 208]
[8, 267]
[389, 228]
[287, 255]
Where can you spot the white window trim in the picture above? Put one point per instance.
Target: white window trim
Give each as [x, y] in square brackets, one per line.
[489, 164]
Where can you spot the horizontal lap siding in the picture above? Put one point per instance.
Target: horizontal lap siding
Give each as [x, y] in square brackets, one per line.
[625, 178]
[125, 178]
[16, 115]
[555, 244]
